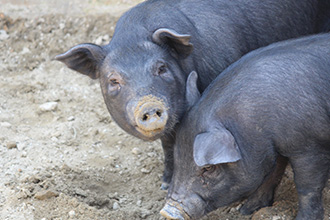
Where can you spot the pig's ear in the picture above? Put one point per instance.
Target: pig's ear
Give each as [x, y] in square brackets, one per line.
[179, 42]
[84, 58]
[192, 92]
[215, 147]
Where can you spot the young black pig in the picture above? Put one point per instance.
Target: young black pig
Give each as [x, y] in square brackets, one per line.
[271, 105]
[143, 70]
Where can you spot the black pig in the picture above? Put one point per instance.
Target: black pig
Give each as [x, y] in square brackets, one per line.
[271, 106]
[143, 70]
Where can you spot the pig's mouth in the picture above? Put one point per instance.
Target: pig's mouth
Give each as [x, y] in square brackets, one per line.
[150, 134]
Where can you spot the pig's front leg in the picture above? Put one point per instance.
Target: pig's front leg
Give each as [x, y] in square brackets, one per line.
[310, 174]
[264, 195]
[168, 146]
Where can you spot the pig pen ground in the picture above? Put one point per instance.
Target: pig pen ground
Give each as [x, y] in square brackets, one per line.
[61, 154]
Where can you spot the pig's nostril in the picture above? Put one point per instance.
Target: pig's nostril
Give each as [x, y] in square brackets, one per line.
[159, 113]
[145, 117]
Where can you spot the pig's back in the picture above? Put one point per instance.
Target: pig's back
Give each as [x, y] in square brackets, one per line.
[280, 93]
[221, 31]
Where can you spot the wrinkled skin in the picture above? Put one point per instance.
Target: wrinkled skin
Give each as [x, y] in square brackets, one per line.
[143, 70]
[270, 107]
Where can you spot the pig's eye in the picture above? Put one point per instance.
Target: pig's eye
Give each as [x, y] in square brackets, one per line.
[114, 85]
[206, 174]
[160, 68]
[114, 82]
[208, 169]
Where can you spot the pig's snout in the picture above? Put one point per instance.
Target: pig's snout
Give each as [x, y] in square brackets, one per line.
[151, 116]
[173, 210]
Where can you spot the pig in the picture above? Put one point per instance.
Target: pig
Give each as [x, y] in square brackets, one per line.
[144, 68]
[269, 108]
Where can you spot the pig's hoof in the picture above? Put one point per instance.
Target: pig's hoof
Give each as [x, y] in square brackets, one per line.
[164, 186]
[246, 210]
[251, 205]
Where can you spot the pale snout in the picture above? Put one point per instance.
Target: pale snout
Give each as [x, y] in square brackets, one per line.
[173, 210]
[151, 117]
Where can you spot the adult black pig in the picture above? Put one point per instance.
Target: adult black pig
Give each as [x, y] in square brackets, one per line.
[156, 44]
[271, 105]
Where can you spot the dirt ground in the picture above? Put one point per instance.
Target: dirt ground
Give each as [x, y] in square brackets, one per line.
[61, 154]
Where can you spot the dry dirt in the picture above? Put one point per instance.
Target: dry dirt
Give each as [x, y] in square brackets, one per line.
[62, 156]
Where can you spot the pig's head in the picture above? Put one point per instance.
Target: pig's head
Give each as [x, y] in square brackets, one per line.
[206, 174]
[209, 168]
[142, 82]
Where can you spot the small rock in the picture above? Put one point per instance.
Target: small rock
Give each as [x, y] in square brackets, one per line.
[106, 38]
[136, 151]
[72, 213]
[5, 124]
[24, 154]
[61, 26]
[139, 203]
[3, 35]
[115, 206]
[122, 200]
[144, 170]
[11, 145]
[99, 40]
[25, 51]
[151, 154]
[238, 207]
[232, 210]
[56, 134]
[81, 192]
[71, 118]
[43, 195]
[113, 195]
[54, 139]
[145, 213]
[48, 106]
[102, 39]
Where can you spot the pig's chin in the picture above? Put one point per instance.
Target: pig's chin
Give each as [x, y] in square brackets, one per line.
[150, 135]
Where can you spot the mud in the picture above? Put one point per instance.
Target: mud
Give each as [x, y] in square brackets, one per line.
[62, 156]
